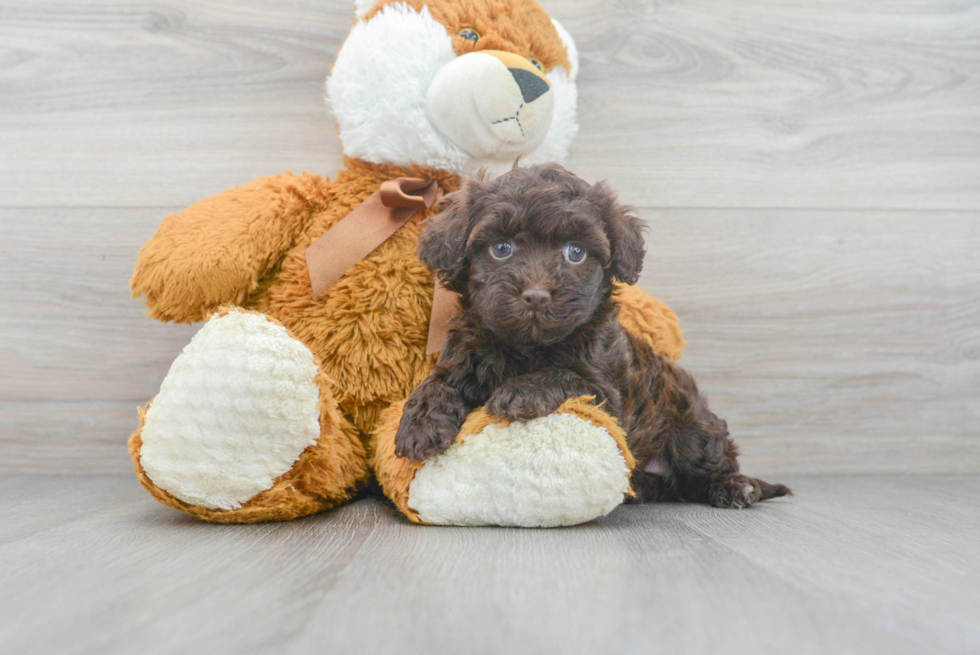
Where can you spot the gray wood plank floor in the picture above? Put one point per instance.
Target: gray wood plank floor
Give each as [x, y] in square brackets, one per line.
[850, 565]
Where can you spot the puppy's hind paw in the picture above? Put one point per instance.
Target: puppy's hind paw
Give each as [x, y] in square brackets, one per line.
[739, 492]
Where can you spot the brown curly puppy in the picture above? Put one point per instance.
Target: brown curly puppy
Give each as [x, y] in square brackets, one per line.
[535, 254]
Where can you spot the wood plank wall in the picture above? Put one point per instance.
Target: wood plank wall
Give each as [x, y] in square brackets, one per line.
[810, 172]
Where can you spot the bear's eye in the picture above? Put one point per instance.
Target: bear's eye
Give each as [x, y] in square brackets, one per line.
[502, 250]
[469, 34]
[575, 253]
[537, 64]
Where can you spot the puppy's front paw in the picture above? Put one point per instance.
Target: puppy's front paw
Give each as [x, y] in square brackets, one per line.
[519, 402]
[425, 432]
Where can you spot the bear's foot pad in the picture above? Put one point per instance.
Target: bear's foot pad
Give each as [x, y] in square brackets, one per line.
[562, 469]
[235, 412]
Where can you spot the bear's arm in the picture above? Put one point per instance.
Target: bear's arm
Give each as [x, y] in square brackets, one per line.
[651, 321]
[216, 251]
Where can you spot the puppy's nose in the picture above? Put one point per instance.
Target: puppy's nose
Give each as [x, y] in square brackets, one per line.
[536, 299]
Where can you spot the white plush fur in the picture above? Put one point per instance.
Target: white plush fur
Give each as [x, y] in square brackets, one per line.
[235, 412]
[556, 470]
[570, 47]
[377, 91]
[476, 103]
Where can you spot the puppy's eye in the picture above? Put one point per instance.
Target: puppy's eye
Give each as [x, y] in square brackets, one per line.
[502, 250]
[575, 253]
[469, 34]
[537, 64]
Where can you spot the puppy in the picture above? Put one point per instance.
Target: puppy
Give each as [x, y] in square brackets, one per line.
[534, 255]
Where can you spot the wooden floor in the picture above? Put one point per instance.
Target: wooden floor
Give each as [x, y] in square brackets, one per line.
[850, 565]
[811, 176]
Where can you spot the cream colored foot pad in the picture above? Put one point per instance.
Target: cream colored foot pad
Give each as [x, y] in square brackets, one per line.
[234, 413]
[556, 470]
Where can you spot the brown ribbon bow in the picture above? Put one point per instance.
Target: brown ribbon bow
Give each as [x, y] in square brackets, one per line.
[370, 224]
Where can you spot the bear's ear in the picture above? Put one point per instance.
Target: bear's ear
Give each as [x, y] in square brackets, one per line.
[570, 48]
[625, 233]
[442, 243]
[362, 7]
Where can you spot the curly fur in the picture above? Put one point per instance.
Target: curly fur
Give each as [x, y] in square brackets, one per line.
[522, 358]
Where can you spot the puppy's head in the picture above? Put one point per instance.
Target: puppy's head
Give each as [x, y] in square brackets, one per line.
[534, 252]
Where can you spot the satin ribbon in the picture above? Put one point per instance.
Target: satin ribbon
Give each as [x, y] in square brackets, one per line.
[370, 224]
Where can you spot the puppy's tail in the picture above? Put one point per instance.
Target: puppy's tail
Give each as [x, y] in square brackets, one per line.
[773, 490]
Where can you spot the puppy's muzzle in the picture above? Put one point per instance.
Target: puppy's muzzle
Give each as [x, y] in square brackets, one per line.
[492, 104]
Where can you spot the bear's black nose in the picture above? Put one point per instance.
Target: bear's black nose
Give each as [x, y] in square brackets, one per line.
[532, 87]
[536, 299]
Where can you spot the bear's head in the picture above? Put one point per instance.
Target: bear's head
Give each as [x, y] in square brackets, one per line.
[455, 84]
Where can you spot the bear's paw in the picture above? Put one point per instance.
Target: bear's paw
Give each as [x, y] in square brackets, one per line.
[234, 413]
[566, 468]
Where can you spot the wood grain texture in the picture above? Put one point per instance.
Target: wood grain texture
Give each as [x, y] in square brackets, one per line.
[687, 103]
[830, 341]
[115, 103]
[77, 354]
[759, 103]
[850, 565]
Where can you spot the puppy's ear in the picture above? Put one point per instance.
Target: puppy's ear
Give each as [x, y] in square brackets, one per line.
[625, 233]
[442, 243]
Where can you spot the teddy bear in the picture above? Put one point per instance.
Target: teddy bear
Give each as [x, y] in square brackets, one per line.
[286, 401]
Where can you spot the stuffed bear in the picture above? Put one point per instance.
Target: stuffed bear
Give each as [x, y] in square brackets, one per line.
[286, 401]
